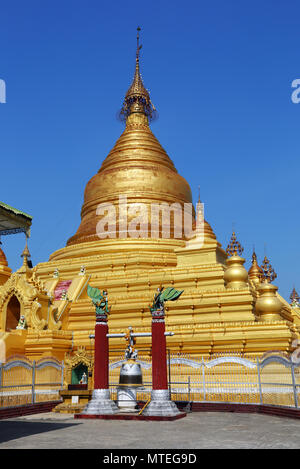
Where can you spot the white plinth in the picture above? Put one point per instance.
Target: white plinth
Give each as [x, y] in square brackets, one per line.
[100, 403]
[161, 404]
[127, 399]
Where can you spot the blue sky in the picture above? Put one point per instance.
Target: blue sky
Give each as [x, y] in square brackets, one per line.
[220, 75]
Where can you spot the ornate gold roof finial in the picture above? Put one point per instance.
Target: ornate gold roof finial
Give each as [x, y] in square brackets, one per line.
[254, 261]
[269, 273]
[234, 248]
[294, 297]
[137, 98]
[199, 222]
[26, 254]
[255, 272]
[235, 275]
[138, 46]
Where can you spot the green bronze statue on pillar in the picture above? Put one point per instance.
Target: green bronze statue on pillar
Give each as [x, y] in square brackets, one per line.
[99, 300]
[163, 295]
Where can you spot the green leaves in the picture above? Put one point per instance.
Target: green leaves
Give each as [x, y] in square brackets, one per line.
[170, 294]
[94, 293]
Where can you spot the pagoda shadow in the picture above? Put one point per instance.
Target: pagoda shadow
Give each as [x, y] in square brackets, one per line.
[13, 430]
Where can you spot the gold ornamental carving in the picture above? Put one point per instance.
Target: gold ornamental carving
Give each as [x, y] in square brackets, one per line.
[33, 298]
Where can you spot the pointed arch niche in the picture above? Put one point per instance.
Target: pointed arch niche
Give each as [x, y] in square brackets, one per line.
[13, 313]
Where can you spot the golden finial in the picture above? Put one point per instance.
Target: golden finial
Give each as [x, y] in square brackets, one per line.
[26, 254]
[294, 297]
[255, 272]
[138, 46]
[254, 257]
[137, 98]
[269, 273]
[234, 248]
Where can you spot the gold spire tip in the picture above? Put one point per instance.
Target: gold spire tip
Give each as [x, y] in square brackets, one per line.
[137, 99]
[269, 273]
[25, 252]
[138, 46]
[234, 247]
[199, 200]
[294, 297]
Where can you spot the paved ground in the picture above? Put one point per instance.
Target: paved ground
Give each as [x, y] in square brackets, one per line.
[197, 430]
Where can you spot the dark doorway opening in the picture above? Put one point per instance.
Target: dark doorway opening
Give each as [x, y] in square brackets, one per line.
[12, 313]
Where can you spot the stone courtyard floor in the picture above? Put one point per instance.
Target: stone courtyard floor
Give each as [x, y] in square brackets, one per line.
[199, 430]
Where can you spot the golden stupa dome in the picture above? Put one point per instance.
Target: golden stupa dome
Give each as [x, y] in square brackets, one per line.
[137, 168]
[268, 306]
[136, 171]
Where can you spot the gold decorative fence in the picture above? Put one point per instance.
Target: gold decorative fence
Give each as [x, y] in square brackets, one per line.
[273, 380]
[225, 378]
[279, 381]
[26, 382]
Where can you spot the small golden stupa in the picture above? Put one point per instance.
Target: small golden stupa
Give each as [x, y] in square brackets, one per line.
[224, 308]
[5, 271]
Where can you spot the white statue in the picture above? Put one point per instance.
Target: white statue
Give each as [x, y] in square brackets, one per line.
[21, 323]
[83, 379]
[64, 295]
[56, 273]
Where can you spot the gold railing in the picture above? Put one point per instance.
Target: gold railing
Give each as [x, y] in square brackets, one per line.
[273, 380]
[27, 382]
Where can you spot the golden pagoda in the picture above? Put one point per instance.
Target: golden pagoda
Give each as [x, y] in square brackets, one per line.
[116, 248]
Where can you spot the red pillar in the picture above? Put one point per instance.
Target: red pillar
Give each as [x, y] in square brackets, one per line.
[101, 380]
[159, 352]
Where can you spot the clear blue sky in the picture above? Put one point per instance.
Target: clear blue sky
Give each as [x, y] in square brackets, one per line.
[220, 75]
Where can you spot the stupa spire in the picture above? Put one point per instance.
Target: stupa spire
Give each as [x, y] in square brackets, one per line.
[294, 297]
[255, 272]
[26, 255]
[199, 199]
[137, 98]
